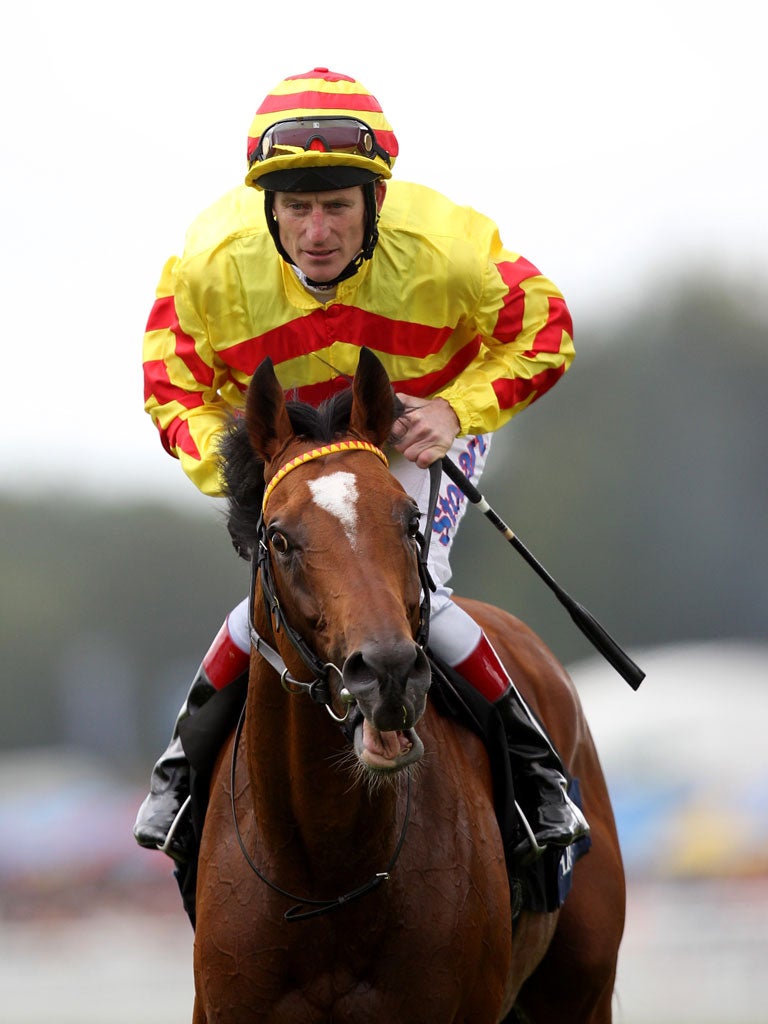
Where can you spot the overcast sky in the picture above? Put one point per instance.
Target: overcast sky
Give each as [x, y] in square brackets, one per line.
[614, 143]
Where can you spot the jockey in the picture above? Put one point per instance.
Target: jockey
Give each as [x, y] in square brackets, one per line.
[316, 255]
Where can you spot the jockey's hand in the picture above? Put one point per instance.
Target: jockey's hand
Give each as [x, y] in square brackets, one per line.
[426, 430]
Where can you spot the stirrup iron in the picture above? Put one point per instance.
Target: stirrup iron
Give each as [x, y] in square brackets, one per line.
[535, 848]
[166, 846]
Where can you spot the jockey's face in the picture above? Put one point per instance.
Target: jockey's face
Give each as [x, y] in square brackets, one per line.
[322, 232]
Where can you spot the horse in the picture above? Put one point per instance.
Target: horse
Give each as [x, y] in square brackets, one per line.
[351, 866]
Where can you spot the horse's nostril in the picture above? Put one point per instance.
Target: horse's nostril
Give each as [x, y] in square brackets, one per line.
[396, 672]
[391, 662]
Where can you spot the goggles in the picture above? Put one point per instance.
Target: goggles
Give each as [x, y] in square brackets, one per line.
[321, 135]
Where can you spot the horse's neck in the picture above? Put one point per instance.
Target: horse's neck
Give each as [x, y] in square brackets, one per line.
[300, 775]
[290, 741]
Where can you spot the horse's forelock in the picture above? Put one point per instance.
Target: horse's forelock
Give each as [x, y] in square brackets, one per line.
[243, 469]
[324, 423]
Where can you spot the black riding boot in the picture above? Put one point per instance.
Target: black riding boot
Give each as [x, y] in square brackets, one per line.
[163, 822]
[549, 816]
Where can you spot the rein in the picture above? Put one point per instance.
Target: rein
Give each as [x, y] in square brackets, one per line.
[319, 689]
[297, 913]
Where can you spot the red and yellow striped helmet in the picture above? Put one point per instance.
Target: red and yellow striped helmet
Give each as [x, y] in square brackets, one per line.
[319, 130]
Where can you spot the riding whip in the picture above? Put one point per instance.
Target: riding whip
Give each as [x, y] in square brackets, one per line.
[585, 621]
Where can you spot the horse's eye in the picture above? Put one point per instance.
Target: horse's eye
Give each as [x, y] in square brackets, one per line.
[279, 542]
[414, 522]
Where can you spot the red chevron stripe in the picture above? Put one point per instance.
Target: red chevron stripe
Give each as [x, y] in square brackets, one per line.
[420, 387]
[322, 327]
[510, 393]
[323, 73]
[163, 317]
[510, 322]
[314, 100]
[178, 436]
[157, 384]
[550, 337]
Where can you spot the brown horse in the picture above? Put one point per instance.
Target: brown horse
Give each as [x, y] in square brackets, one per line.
[371, 884]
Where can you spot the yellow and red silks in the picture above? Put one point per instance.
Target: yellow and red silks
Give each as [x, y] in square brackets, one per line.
[444, 306]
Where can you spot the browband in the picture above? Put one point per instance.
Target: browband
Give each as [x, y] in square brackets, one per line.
[317, 453]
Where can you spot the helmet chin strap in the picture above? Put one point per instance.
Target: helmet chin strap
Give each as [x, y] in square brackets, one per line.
[369, 241]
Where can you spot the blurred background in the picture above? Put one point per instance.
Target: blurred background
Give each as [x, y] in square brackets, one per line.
[621, 148]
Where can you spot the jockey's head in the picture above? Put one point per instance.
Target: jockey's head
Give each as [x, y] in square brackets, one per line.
[314, 135]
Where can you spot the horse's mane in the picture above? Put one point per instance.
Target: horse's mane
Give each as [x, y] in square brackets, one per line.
[243, 470]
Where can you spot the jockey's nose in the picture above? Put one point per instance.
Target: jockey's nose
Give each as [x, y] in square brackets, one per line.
[317, 224]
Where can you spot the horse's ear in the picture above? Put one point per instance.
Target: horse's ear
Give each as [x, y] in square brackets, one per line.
[269, 426]
[373, 402]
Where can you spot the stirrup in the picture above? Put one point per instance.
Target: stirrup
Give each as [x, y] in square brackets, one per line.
[166, 846]
[534, 849]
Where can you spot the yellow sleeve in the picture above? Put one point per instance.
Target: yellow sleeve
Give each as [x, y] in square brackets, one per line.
[181, 385]
[526, 346]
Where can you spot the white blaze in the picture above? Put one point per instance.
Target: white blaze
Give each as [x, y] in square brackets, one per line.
[337, 494]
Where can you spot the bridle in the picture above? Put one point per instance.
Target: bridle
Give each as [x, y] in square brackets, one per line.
[261, 568]
[319, 688]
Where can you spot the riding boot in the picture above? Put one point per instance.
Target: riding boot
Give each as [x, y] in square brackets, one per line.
[163, 822]
[548, 815]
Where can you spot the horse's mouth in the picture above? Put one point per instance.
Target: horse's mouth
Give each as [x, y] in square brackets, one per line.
[386, 751]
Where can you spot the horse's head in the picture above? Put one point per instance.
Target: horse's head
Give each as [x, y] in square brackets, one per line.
[341, 541]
